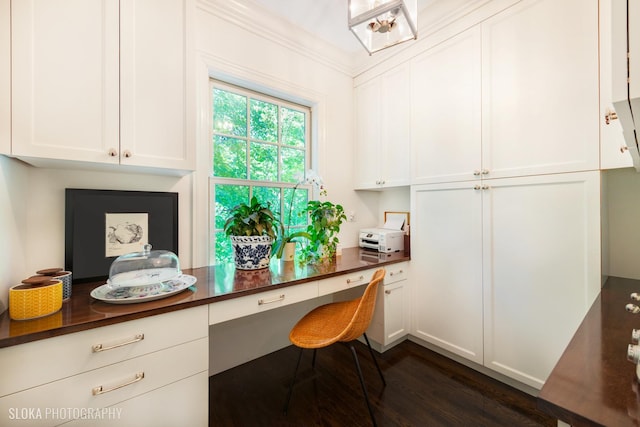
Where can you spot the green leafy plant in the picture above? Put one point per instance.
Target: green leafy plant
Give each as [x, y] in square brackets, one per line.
[254, 219]
[325, 220]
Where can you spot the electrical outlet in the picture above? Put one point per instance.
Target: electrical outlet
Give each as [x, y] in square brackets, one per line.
[351, 216]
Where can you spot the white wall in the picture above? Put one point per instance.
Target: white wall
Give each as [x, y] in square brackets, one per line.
[230, 50]
[623, 213]
[14, 205]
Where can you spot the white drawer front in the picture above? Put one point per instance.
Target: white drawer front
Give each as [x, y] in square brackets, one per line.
[396, 272]
[256, 303]
[40, 362]
[118, 382]
[346, 281]
[184, 403]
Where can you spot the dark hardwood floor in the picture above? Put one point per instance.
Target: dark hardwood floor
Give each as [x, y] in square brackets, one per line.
[423, 389]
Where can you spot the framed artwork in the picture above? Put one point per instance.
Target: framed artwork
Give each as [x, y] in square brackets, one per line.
[101, 225]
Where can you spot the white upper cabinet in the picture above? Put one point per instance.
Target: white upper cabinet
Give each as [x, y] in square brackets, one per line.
[102, 81]
[445, 111]
[383, 130]
[540, 88]
[65, 79]
[613, 149]
[5, 77]
[156, 115]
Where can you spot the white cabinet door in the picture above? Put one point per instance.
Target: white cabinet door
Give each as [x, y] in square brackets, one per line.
[65, 79]
[395, 127]
[613, 149]
[540, 88]
[446, 253]
[157, 118]
[382, 130]
[367, 157]
[445, 111]
[390, 320]
[5, 76]
[541, 246]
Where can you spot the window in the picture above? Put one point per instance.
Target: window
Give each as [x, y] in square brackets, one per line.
[260, 147]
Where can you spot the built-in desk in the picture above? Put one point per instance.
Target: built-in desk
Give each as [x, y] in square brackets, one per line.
[593, 384]
[215, 284]
[122, 358]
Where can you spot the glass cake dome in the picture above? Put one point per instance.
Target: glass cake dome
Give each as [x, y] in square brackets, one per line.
[144, 268]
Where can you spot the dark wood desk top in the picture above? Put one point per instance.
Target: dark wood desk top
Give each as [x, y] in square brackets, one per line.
[215, 283]
[593, 383]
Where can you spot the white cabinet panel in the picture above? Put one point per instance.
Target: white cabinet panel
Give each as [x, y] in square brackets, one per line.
[541, 269]
[103, 82]
[155, 88]
[116, 383]
[445, 111]
[508, 268]
[446, 253]
[540, 88]
[382, 117]
[613, 149]
[65, 79]
[183, 403]
[256, 303]
[390, 321]
[5, 76]
[73, 353]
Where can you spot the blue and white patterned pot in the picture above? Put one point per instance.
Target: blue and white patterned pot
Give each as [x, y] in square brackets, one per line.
[251, 252]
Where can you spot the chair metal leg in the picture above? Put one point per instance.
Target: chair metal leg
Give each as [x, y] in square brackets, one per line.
[364, 388]
[293, 380]
[373, 356]
[313, 361]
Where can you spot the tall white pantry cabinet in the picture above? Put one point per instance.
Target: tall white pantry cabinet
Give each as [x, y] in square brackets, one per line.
[506, 188]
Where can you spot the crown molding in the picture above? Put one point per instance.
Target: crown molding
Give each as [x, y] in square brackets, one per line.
[254, 18]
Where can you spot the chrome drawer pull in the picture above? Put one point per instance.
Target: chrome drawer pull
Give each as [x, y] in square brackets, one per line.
[359, 279]
[97, 348]
[388, 292]
[101, 390]
[270, 301]
[397, 272]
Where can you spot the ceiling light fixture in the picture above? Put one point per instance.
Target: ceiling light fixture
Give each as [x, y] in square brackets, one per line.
[379, 24]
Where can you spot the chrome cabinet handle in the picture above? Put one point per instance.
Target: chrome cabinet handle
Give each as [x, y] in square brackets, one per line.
[391, 273]
[97, 348]
[101, 390]
[127, 153]
[112, 152]
[610, 116]
[388, 292]
[485, 171]
[270, 301]
[359, 279]
[476, 173]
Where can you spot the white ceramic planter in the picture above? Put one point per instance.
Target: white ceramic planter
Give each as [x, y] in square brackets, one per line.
[251, 252]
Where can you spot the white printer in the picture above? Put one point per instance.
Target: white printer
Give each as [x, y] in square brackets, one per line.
[382, 239]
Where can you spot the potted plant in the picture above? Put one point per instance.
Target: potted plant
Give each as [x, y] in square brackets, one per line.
[252, 229]
[325, 220]
[286, 245]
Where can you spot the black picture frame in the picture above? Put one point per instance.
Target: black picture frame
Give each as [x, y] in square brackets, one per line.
[85, 223]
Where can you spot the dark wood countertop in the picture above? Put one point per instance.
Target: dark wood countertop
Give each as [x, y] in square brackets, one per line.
[215, 283]
[593, 383]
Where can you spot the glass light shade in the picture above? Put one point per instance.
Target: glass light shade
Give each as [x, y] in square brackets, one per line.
[379, 24]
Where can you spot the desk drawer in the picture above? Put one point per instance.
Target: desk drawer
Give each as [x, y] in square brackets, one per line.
[39, 362]
[346, 281]
[109, 385]
[256, 303]
[396, 272]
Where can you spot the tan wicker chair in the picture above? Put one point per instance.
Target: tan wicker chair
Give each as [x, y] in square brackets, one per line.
[338, 322]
